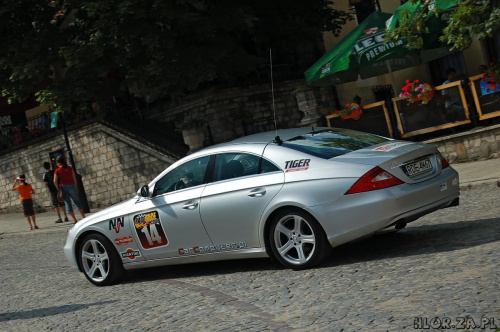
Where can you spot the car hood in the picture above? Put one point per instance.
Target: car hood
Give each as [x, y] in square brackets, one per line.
[113, 211]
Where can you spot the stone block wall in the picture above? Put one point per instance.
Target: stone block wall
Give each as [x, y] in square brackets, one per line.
[113, 167]
[234, 112]
[476, 144]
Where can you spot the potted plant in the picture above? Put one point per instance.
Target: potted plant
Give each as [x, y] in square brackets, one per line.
[417, 92]
[352, 111]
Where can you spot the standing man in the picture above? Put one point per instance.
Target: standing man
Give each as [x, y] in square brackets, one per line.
[48, 179]
[64, 176]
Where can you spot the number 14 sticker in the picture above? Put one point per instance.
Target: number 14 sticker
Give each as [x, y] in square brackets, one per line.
[149, 230]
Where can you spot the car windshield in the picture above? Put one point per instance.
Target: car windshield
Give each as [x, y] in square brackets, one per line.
[329, 143]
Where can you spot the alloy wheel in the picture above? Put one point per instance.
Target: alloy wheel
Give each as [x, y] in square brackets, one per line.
[95, 260]
[294, 239]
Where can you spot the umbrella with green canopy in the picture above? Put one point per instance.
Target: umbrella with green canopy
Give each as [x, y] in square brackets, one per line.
[363, 52]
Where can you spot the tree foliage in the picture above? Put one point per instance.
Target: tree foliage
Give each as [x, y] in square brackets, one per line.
[469, 19]
[77, 51]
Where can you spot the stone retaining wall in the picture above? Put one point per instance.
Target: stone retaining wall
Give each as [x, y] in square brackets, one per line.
[234, 112]
[113, 166]
[477, 144]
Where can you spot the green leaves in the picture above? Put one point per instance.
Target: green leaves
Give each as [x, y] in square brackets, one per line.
[455, 21]
[94, 50]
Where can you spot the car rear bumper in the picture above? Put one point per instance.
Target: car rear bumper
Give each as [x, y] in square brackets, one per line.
[354, 216]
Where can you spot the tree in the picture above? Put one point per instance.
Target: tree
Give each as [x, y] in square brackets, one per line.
[469, 19]
[80, 51]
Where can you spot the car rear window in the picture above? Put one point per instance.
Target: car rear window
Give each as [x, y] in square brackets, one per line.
[332, 143]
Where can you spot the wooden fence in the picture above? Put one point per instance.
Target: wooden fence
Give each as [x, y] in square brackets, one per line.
[447, 109]
[486, 99]
[375, 120]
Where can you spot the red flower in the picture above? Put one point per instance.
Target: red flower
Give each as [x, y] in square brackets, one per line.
[414, 91]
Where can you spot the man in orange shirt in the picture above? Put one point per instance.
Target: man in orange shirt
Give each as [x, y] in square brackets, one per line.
[25, 190]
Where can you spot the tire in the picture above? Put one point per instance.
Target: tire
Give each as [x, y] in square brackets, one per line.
[297, 240]
[99, 260]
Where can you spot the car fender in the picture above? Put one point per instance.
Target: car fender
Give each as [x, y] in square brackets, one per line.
[112, 222]
[294, 194]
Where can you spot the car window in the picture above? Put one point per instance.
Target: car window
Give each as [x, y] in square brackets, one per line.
[268, 166]
[328, 144]
[235, 165]
[186, 175]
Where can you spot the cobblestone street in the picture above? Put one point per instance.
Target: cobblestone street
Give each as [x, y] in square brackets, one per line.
[443, 265]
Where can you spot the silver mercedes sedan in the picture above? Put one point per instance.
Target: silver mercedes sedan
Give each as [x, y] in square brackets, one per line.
[291, 195]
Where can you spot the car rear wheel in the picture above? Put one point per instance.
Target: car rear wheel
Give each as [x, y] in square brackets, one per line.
[297, 240]
[99, 260]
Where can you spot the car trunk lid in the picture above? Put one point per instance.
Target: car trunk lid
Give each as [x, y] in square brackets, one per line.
[408, 161]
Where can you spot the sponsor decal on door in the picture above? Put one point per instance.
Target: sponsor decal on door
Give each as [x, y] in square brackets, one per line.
[149, 230]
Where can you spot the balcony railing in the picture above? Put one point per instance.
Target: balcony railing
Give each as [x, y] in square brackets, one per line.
[447, 109]
[486, 99]
[375, 120]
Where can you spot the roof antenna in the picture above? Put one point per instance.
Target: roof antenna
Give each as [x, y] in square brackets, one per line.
[277, 139]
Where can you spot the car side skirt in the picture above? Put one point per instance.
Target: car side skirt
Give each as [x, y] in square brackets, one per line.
[199, 258]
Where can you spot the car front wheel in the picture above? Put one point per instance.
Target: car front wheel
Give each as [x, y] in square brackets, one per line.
[99, 260]
[297, 240]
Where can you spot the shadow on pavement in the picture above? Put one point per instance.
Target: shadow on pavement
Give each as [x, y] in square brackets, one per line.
[414, 240]
[50, 311]
[418, 240]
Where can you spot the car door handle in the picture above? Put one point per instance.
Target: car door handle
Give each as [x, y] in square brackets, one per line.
[190, 205]
[257, 192]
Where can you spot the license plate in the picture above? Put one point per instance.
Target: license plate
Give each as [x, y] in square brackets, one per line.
[418, 167]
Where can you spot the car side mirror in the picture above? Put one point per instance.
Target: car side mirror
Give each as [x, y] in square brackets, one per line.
[144, 191]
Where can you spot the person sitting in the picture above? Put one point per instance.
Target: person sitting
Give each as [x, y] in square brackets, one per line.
[453, 100]
[187, 179]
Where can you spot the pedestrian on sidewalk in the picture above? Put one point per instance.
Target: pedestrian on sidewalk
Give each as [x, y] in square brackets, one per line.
[65, 176]
[25, 191]
[48, 179]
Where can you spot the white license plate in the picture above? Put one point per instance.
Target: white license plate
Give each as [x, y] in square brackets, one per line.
[418, 167]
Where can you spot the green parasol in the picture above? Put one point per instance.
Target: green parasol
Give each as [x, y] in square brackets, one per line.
[363, 52]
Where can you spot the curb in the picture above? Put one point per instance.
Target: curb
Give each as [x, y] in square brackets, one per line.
[37, 232]
[483, 184]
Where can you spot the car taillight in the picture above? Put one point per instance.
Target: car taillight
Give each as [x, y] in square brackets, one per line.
[374, 179]
[444, 162]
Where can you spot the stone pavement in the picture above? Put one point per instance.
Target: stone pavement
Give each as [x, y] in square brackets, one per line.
[440, 271]
[473, 175]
